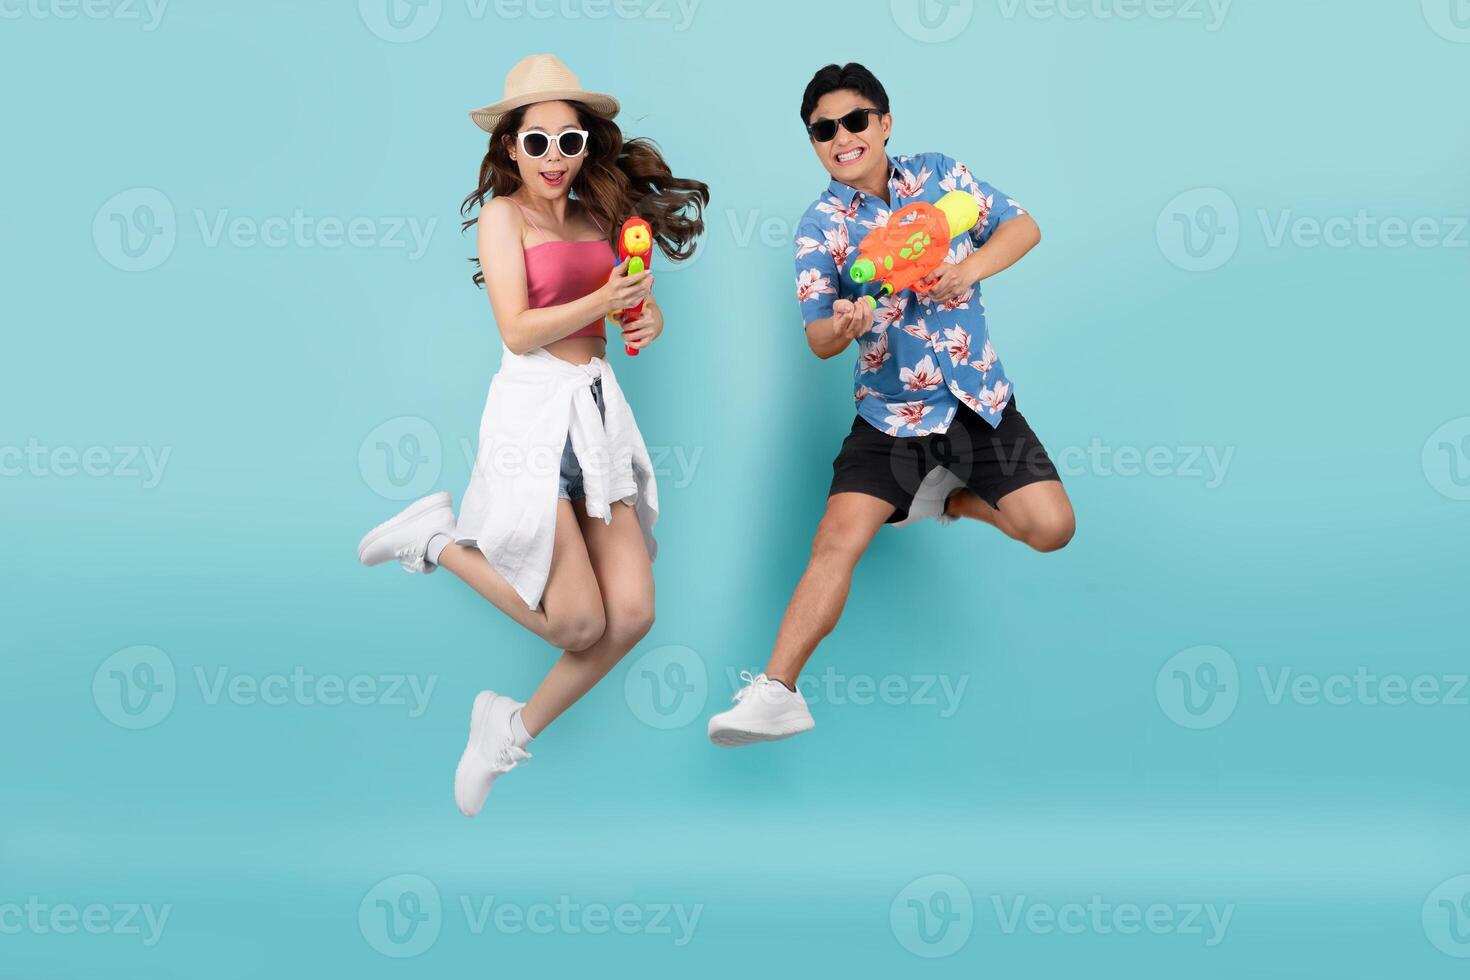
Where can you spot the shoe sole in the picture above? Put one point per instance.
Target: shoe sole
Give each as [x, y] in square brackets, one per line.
[478, 714]
[944, 487]
[419, 509]
[727, 738]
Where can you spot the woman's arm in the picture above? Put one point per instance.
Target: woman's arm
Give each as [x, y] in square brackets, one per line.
[503, 259]
[644, 330]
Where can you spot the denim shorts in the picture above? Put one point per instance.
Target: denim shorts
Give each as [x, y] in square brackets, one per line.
[570, 487]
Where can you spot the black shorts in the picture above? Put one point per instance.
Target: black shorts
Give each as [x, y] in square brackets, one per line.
[991, 461]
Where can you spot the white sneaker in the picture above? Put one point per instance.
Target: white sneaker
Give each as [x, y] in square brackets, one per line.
[765, 710]
[931, 497]
[406, 536]
[491, 751]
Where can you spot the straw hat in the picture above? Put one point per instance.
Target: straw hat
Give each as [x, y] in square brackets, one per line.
[541, 78]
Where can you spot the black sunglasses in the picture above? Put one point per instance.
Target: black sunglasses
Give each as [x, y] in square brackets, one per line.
[825, 130]
[535, 143]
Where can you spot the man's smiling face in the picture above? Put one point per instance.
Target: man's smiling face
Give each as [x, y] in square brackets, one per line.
[853, 158]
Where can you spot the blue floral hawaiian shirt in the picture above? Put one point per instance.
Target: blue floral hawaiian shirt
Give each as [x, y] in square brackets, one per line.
[921, 359]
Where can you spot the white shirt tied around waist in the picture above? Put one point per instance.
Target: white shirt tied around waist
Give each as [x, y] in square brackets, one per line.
[536, 401]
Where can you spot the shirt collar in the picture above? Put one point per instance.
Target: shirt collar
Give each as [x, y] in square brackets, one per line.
[845, 193]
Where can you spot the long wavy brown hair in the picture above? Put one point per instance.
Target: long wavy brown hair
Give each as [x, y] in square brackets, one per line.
[617, 181]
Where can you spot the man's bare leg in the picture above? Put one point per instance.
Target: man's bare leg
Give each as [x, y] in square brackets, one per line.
[846, 530]
[1039, 514]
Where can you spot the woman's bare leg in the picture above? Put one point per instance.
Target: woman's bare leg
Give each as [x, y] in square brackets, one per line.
[624, 579]
[571, 614]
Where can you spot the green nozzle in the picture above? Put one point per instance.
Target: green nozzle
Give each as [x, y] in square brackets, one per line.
[863, 271]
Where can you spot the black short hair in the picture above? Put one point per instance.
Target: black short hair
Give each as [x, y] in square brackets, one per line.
[833, 77]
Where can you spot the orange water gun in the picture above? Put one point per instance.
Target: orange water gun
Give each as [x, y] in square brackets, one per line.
[635, 245]
[913, 244]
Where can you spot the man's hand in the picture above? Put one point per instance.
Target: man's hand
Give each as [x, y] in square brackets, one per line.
[945, 283]
[832, 335]
[851, 320]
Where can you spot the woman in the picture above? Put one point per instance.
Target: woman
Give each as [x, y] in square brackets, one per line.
[555, 528]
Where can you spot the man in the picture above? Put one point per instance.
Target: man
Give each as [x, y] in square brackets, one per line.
[938, 433]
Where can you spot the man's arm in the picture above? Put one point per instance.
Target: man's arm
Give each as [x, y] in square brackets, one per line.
[1003, 249]
[832, 335]
[1007, 245]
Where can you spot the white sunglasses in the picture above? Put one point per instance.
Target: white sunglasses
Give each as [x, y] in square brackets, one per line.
[535, 143]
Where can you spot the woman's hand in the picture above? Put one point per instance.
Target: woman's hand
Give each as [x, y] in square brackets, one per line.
[945, 283]
[624, 291]
[643, 331]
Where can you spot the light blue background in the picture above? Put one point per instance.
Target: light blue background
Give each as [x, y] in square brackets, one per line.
[1334, 540]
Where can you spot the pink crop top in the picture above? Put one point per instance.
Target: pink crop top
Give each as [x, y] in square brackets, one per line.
[559, 272]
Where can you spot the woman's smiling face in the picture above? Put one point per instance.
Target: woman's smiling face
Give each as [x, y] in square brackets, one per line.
[852, 157]
[548, 176]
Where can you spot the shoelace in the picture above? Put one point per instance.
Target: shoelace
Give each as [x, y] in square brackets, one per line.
[411, 557]
[509, 756]
[750, 684]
